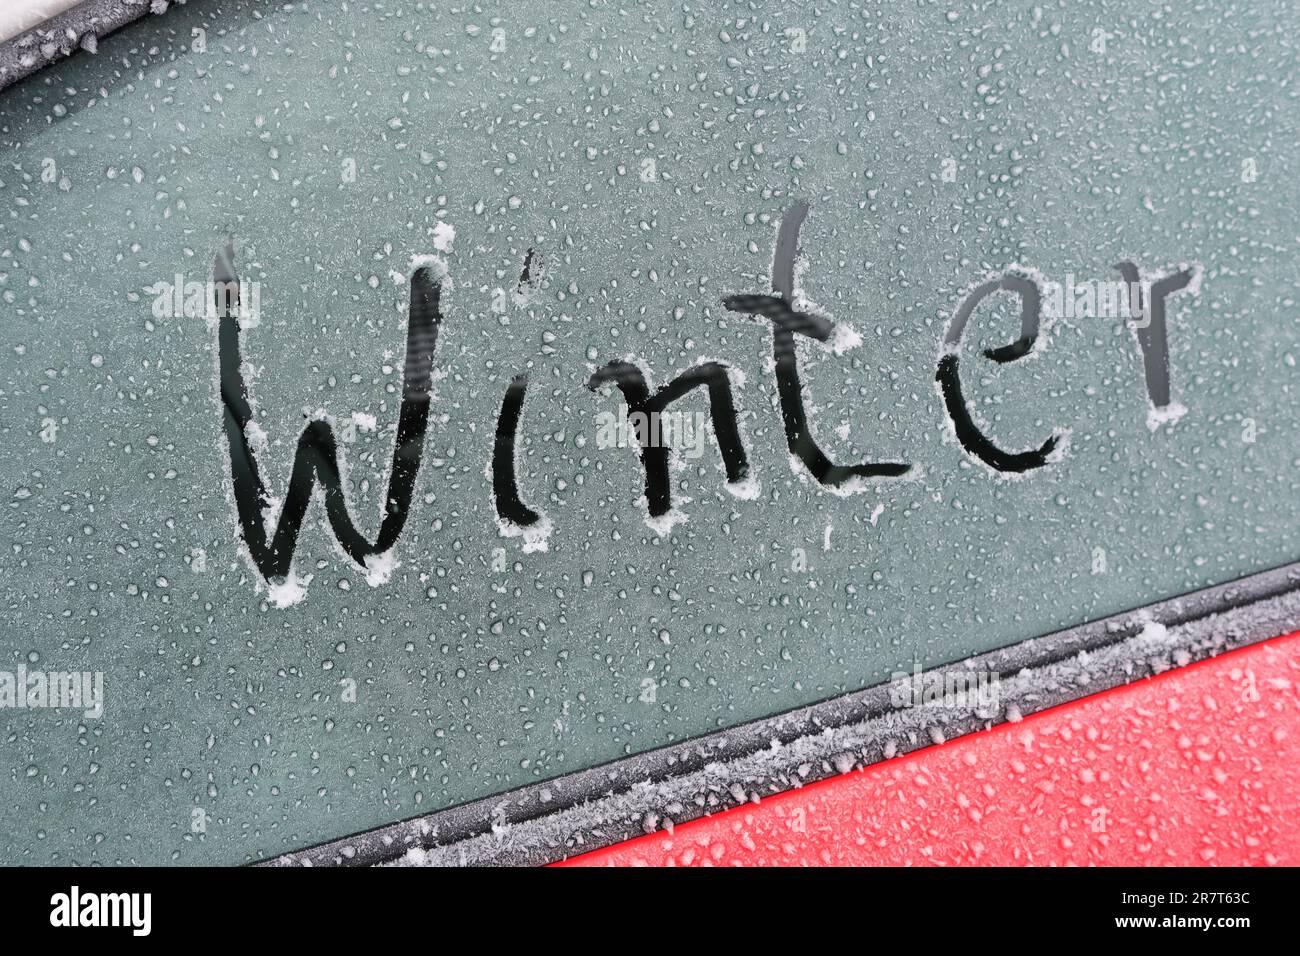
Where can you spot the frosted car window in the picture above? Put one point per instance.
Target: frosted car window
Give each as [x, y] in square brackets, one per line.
[943, 329]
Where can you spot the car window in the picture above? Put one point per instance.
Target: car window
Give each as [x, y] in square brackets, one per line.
[332, 337]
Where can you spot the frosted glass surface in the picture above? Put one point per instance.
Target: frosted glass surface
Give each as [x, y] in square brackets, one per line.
[647, 156]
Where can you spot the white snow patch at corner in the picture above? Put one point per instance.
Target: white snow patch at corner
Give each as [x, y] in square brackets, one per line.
[380, 567]
[1063, 438]
[747, 489]
[1169, 415]
[444, 234]
[843, 338]
[663, 525]
[292, 590]
[435, 264]
[256, 436]
[536, 536]
[522, 296]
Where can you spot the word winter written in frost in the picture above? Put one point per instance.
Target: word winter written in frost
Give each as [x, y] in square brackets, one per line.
[318, 460]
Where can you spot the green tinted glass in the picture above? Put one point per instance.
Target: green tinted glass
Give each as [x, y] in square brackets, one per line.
[943, 329]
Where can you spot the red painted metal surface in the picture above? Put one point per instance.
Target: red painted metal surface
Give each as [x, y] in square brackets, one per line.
[1199, 766]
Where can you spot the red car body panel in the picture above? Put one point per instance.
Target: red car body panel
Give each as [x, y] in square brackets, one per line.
[1198, 766]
